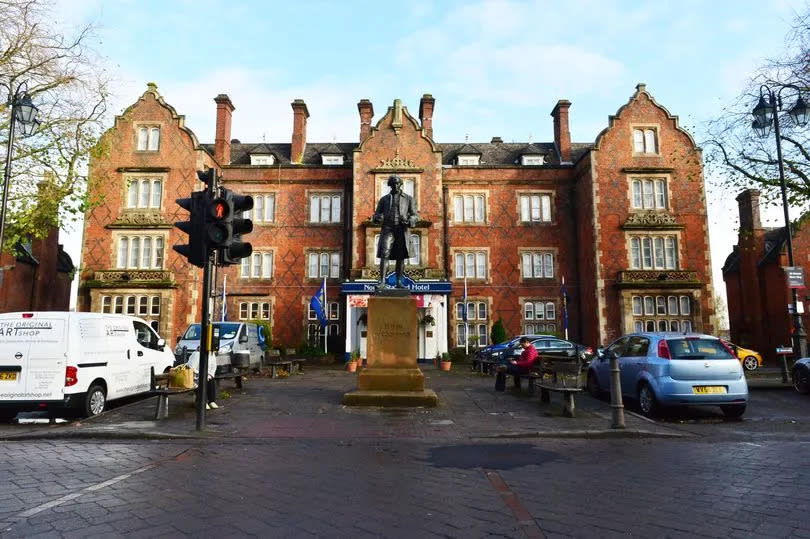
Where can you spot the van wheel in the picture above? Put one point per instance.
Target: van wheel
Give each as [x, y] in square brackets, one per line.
[95, 401]
[647, 401]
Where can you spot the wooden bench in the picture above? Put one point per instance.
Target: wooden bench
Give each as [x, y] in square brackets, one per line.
[160, 388]
[551, 376]
[277, 365]
[484, 366]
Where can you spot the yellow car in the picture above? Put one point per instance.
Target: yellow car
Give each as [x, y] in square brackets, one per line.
[750, 359]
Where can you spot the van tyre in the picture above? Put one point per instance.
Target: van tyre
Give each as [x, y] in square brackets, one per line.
[95, 400]
[750, 363]
[647, 402]
[733, 411]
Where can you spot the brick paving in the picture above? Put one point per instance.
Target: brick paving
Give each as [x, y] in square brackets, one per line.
[470, 468]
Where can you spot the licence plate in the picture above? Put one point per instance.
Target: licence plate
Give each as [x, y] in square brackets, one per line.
[8, 375]
[708, 389]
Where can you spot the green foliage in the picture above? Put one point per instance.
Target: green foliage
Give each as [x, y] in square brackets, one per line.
[498, 332]
[457, 354]
[268, 331]
[310, 350]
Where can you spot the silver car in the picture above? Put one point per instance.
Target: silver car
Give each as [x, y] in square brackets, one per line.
[673, 369]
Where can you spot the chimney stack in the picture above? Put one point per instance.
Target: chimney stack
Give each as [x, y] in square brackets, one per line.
[562, 136]
[748, 202]
[299, 136]
[426, 105]
[222, 140]
[366, 110]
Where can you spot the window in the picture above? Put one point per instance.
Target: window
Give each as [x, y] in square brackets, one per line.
[148, 139]
[258, 265]
[468, 160]
[145, 336]
[539, 317]
[254, 310]
[324, 208]
[659, 313]
[471, 264]
[645, 140]
[408, 187]
[537, 265]
[132, 305]
[140, 252]
[264, 209]
[650, 194]
[535, 208]
[477, 321]
[334, 310]
[654, 252]
[332, 159]
[262, 159]
[468, 208]
[532, 160]
[323, 264]
[144, 193]
[414, 249]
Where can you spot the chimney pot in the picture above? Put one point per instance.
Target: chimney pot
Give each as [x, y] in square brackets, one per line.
[366, 110]
[299, 136]
[562, 136]
[496, 140]
[222, 144]
[748, 202]
[426, 106]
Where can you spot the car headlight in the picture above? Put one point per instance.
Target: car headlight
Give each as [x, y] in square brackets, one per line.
[497, 354]
[225, 349]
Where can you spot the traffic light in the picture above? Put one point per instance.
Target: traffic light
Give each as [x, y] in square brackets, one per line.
[196, 251]
[230, 206]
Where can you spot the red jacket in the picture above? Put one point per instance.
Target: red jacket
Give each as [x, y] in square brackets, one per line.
[527, 357]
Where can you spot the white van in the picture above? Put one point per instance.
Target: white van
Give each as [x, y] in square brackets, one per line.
[66, 360]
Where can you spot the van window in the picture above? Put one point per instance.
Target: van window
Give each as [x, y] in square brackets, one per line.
[145, 336]
[227, 331]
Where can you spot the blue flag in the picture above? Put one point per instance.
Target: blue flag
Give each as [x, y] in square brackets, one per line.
[318, 302]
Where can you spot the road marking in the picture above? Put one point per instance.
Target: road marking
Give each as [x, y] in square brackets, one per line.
[751, 443]
[522, 515]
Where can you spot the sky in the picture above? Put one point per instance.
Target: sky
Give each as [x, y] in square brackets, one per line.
[495, 68]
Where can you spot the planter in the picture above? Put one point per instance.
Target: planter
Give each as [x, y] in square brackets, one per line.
[445, 365]
[351, 366]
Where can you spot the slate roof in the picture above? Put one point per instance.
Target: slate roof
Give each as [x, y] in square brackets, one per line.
[492, 153]
[773, 241]
[63, 261]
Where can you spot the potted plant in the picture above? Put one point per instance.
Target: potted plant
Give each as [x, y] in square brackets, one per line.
[353, 361]
[427, 320]
[444, 362]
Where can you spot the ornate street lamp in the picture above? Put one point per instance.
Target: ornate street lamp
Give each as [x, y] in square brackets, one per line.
[766, 113]
[25, 112]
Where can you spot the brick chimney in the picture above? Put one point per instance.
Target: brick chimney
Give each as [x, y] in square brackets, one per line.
[366, 110]
[562, 136]
[299, 136]
[426, 105]
[748, 202]
[222, 140]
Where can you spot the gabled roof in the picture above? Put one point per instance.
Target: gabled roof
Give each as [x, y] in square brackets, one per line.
[468, 149]
[332, 149]
[532, 149]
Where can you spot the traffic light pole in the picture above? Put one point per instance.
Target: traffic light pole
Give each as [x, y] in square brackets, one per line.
[206, 335]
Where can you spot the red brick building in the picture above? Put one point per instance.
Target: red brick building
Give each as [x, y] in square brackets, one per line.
[756, 286]
[622, 219]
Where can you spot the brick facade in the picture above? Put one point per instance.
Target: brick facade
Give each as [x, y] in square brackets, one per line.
[564, 208]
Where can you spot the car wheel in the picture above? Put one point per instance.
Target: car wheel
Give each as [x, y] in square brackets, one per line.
[95, 401]
[750, 363]
[647, 401]
[801, 380]
[593, 386]
[733, 411]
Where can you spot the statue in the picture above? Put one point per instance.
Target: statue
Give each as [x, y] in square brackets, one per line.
[396, 213]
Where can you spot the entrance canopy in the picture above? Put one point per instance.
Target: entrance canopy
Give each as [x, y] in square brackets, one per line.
[415, 287]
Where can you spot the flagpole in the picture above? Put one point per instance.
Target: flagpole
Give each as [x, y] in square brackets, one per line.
[326, 313]
[565, 307]
[466, 317]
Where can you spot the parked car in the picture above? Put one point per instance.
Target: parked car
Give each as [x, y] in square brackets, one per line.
[750, 359]
[75, 361]
[801, 375]
[547, 345]
[236, 340]
[673, 369]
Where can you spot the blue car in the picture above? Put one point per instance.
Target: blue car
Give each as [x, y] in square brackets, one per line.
[673, 369]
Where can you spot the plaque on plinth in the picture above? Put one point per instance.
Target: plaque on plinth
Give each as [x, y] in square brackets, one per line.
[392, 376]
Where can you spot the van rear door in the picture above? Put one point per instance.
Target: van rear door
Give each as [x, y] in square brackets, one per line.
[32, 357]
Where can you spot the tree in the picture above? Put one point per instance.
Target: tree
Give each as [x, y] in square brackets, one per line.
[498, 332]
[48, 173]
[737, 155]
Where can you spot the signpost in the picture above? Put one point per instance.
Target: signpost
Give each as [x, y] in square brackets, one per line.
[794, 276]
[784, 351]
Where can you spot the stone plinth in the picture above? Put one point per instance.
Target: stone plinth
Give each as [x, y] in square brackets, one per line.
[392, 376]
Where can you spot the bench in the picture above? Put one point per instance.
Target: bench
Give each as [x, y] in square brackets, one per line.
[161, 389]
[298, 361]
[558, 376]
[484, 366]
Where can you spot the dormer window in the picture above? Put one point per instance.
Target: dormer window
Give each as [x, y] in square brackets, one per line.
[262, 159]
[332, 159]
[532, 160]
[469, 160]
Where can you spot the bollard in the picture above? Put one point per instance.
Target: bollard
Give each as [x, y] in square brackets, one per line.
[616, 393]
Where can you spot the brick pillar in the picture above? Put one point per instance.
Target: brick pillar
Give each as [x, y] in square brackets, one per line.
[222, 140]
[748, 202]
[562, 136]
[366, 110]
[299, 135]
[426, 105]
[754, 327]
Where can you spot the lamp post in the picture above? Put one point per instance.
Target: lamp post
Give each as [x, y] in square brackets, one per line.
[22, 110]
[765, 113]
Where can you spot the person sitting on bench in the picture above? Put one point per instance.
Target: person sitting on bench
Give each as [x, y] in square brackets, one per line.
[211, 384]
[527, 359]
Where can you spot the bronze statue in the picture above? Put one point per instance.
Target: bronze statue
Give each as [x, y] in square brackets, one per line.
[396, 213]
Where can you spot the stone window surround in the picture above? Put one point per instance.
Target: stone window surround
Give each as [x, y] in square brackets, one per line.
[320, 192]
[640, 233]
[522, 300]
[626, 305]
[380, 186]
[116, 235]
[371, 247]
[248, 300]
[472, 324]
[522, 192]
[262, 251]
[127, 177]
[454, 250]
[137, 125]
[331, 250]
[452, 193]
[166, 304]
[542, 250]
[657, 128]
[275, 221]
[667, 179]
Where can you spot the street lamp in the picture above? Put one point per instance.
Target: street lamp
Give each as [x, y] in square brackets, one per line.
[25, 112]
[766, 113]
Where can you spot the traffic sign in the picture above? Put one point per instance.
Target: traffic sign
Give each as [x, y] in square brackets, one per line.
[784, 351]
[794, 276]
